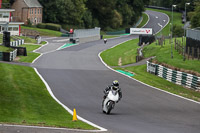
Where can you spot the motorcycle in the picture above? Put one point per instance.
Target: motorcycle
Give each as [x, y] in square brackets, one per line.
[105, 41]
[109, 102]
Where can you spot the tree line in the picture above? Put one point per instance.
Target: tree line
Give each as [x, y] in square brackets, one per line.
[93, 13]
[108, 14]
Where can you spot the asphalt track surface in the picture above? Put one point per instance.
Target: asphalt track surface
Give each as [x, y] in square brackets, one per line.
[77, 78]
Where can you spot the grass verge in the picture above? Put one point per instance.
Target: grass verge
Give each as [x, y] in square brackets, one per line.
[155, 81]
[126, 52]
[30, 55]
[176, 20]
[163, 54]
[144, 20]
[5, 49]
[44, 32]
[25, 100]
[109, 36]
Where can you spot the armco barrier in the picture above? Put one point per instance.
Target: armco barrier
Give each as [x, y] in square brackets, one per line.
[17, 42]
[1, 56]
[13, 55]
[177, 77]
[8, 56]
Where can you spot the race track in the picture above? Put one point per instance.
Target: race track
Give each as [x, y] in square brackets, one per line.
[77, 78]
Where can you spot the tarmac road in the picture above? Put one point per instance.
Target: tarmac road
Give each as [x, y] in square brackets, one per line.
[77, 78]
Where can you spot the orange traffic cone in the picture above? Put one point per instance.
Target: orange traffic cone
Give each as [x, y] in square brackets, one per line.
[74, 116]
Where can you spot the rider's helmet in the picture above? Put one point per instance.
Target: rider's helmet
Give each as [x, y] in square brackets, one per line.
[115, 84]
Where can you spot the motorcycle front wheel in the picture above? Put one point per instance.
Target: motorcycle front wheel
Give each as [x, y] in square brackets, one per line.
[110, 106]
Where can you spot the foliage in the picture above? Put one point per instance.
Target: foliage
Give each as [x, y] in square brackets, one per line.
[87, 19]
[51, 26]
[64, 11]
[93, 13]
[41, 25]
[168, 4]
[144, 20]
[44, 32]
[29, 23]
[195, 18]
[178, 31]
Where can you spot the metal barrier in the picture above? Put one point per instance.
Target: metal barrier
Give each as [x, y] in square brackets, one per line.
[81, 33]
[177, 77]
[13, 55]
[17, 42]
[193, 33]
[8, 56]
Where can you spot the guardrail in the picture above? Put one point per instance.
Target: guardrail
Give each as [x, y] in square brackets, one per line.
[177, 77]
[17, 42]
[8, 56]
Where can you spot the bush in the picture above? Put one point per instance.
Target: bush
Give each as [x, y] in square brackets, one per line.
[51, 26]
[41, 25]
[178, 31]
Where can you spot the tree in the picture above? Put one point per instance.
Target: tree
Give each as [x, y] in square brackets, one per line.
[64, 11]
[90, 13]
[117, 20]
[195, 19]
[87, 19]
[126, 11]
[103, 10]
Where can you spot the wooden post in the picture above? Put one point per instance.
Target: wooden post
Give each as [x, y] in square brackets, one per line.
[184, 48]
[188, 53]
[192, 53]
[175, 45]
[164, 40]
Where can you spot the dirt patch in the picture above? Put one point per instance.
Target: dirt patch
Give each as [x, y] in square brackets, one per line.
[17, 58]
[120, 61]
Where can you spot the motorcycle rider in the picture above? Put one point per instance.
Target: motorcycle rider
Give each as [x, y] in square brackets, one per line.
[114, 86]
[105, 41]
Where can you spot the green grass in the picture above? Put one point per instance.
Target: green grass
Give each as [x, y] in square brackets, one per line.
[144, 20]
[176, 20]
[30, 55]
[25, 100]
[44, 32]
[126, 51]
[5, 49]
[161, 83]
[109, 36]
[1, 38]
[163, 55]
[43, 43]
[28, 39]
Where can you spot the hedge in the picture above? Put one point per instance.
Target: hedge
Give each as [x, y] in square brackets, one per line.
[49, 26]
